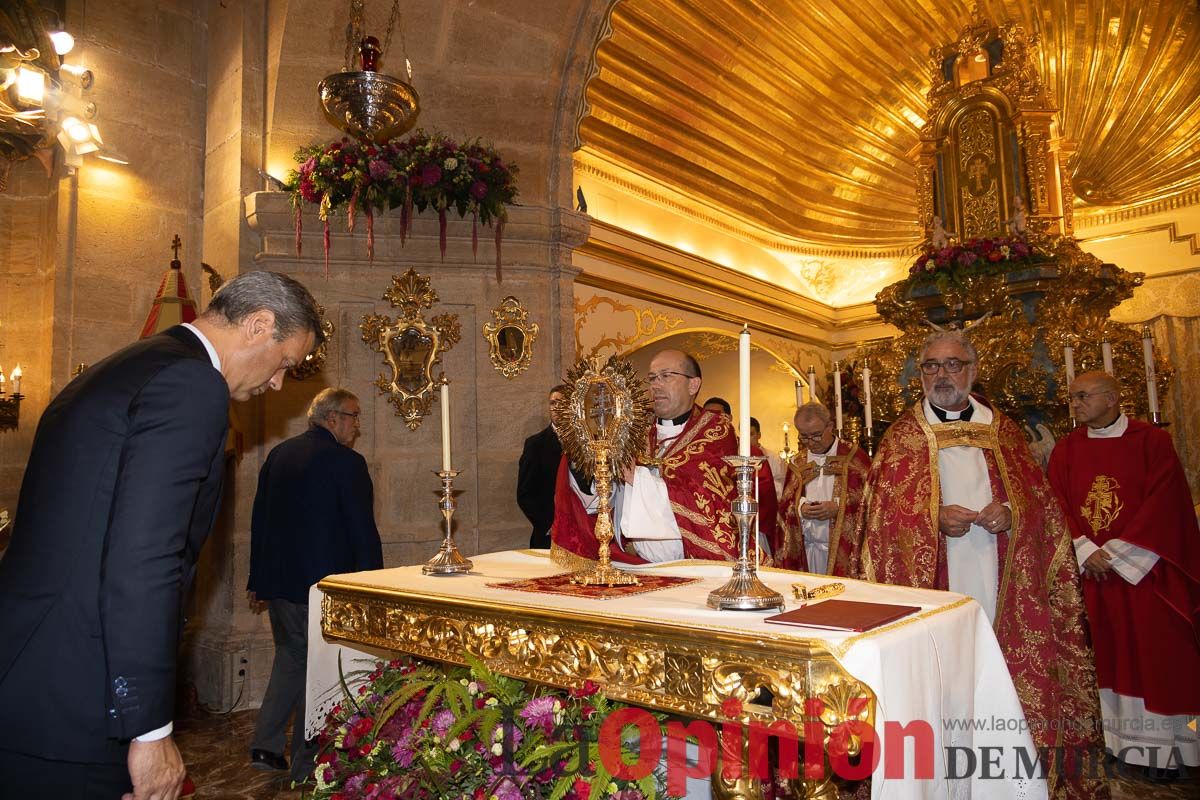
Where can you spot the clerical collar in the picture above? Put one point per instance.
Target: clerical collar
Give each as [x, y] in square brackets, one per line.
[682, 418]
[959, 416]
[1113, 430]
[832, 447]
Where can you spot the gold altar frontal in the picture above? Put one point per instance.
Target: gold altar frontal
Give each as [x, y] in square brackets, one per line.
[672, 666]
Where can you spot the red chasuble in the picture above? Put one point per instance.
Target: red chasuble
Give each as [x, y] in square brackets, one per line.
[1039, 610]
[573, 534]
[1147, 636]
[850, 465]
[768, 502]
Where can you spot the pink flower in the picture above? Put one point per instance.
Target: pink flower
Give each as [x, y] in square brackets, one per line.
[379, 170]
[479, 190]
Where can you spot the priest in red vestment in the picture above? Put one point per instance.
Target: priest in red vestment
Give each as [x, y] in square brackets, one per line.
[822, 494]
[955, 500]
[676, 502]
[1138, 546]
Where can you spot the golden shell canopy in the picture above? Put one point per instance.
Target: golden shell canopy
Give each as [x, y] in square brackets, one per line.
[802, 116]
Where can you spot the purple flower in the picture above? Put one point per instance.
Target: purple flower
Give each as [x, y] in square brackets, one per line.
[628, 794]
[442, 722]
[966, 258]
[506, 789]
[431, 174]
[479, 190]
[402, 751]
[380, 170]
[540, 712]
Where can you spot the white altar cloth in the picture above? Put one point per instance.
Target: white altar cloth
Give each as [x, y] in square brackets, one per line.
[943, 665]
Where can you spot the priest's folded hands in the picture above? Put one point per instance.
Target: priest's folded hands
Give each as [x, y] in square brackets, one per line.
[954, 520]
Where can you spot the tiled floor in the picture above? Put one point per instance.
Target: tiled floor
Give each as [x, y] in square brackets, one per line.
[216, 751]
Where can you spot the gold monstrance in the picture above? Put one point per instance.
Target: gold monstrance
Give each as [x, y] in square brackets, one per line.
[603, 423]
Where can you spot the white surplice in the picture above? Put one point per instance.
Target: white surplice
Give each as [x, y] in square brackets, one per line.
[647, 521]
[816, 531]
[972, 560]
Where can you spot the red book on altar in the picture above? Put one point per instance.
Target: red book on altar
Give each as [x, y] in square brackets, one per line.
[843, 615]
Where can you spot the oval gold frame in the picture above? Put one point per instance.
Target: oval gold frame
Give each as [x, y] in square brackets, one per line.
[502, 351]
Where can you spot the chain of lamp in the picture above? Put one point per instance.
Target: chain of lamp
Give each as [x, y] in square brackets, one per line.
[356, 30]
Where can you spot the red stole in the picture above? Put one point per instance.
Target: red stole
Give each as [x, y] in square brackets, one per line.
[850, 465]
[1039, 610]
[768, 503]
[1133, 488]
[700, 483]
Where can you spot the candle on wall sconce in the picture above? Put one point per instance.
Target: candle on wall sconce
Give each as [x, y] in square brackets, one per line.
[1151, 388]
[1106, 356]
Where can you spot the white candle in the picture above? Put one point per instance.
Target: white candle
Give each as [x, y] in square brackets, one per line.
[445, 426]
[16, 379]
[1069, 360]
[812, 383]
[1106, 355]
[1148, 354]
[837, 395]
[867, 398]
[799, 393]
[744, 392]
[1, 380]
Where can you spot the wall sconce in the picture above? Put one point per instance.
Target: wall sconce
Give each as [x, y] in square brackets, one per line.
[10, 404]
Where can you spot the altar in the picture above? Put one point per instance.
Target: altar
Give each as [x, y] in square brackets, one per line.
[937, 673]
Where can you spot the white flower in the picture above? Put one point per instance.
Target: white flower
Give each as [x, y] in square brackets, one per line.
[454, 745]
[498, 749]
[473, 687]
[491, 701]
[450, 164]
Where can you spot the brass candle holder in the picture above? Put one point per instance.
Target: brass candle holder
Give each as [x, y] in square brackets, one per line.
[744, 591]
[10, 411]
[447, 561]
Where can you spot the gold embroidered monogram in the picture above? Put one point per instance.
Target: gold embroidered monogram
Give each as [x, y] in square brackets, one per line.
[716, 479]
[1102, 506]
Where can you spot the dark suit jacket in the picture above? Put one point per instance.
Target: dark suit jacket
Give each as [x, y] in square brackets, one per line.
[536, 476]
[314, 516]
[119, 494]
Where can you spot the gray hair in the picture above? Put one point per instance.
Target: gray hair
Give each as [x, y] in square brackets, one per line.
[326, 402]
[813, 410]
[957, 337]
[294, 308]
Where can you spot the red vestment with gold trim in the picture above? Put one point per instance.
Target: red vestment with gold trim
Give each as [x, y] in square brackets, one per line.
[1133, 488]
[850, 465]
[1039, 608]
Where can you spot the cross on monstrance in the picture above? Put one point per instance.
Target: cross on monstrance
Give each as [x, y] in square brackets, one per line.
[601, 408]
[176, 244]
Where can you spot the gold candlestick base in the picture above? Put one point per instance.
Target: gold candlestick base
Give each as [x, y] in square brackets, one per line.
[447, 561]
[744, 591]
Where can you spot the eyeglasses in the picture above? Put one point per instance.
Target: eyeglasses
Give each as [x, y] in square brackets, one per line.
[352, 414]
[811, 437]
[659, 377]
[953, 366]
[1081, 397]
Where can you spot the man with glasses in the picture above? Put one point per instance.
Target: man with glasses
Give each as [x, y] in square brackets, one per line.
[955, 500]
[1138, 548]
[821, 500]
[314, 515]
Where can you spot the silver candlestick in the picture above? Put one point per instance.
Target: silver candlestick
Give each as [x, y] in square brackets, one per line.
[447, 561]
[744, 591]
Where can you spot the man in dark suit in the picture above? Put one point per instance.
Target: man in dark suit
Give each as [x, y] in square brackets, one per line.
[118, 496]
[536, 477]
[314, 515]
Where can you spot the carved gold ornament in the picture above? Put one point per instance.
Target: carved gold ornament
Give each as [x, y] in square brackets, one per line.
[510, 337]
[411, 346]
[314, 362]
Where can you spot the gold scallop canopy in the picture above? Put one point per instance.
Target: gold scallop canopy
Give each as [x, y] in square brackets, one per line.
[802, 116]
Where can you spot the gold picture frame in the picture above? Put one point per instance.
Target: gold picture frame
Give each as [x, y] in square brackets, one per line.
[411, 346]
[510, 337]
[314, 362]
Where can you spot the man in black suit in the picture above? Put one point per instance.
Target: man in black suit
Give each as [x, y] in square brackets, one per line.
[537, 475]
[119, 494]
[314, 515]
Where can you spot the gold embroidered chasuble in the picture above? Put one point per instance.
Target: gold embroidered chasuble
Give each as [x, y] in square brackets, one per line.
[1039, 618]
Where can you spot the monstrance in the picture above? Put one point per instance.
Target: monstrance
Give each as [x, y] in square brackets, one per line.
[603, 423]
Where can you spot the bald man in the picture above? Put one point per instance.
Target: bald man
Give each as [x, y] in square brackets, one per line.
[1138, 548]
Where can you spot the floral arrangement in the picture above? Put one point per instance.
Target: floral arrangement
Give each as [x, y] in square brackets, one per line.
[421, 730]
[950, 265]
[424, 171]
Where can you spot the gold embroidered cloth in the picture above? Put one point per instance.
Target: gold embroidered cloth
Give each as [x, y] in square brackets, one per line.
[561, 584]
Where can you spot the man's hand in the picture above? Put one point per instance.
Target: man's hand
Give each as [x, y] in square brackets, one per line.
[955, 520]
[256, 606]
[994, 518]
[815, 509]
[628, 476]
[1098, 565]
[156, 770]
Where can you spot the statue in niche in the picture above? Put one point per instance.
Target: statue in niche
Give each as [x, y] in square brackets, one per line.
[1016, 222]
[940, 237]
